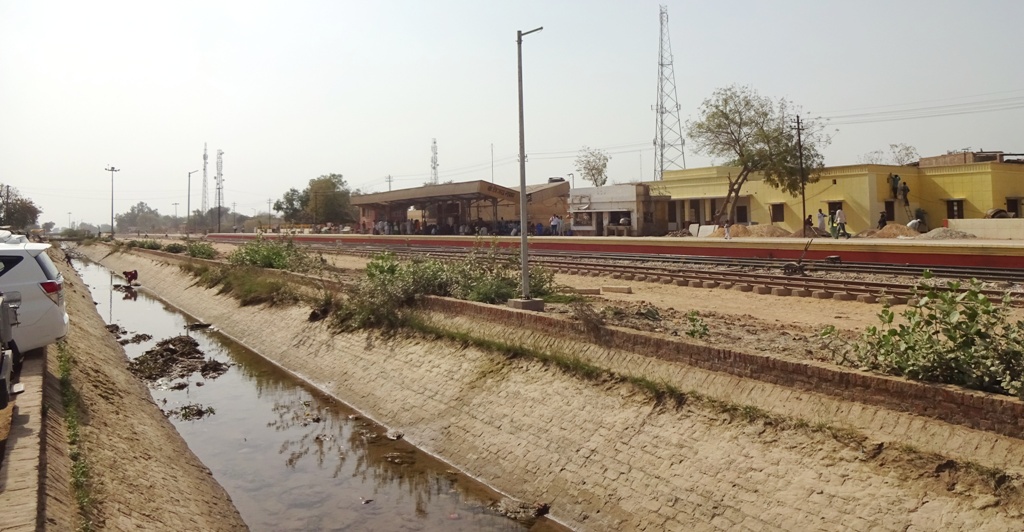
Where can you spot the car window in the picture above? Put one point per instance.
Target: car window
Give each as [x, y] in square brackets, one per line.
[9, 262]
[47, 265]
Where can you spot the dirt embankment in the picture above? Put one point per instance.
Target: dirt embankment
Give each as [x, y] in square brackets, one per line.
[143, 475]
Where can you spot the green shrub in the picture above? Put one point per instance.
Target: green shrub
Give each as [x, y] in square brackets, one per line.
[175, 247]
[273, 254]
[955, 336]
[143, 244]
[250, 286]
[697, 327]
[392, 287]
[200, 250]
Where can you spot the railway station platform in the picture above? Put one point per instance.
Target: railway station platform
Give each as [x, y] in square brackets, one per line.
[973, 253]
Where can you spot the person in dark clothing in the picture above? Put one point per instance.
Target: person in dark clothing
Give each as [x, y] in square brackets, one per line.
[882, 221]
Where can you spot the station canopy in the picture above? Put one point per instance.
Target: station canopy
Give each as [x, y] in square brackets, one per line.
[472, 191]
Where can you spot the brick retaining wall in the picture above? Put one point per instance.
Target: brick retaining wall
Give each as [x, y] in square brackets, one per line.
[979, 410]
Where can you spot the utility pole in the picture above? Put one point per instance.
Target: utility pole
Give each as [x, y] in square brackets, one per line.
[524, 252]
[188, 202]
[234, 216]
[175, 211]
[803, 180]
[269, 219]
[111, 169]
[389, 179]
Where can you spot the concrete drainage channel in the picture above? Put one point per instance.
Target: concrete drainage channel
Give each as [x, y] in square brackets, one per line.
[290, 456]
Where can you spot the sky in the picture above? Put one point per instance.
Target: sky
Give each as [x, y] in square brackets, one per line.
[294, 90]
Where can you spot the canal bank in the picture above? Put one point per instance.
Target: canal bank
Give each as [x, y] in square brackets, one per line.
[141, 474]
[602, 453]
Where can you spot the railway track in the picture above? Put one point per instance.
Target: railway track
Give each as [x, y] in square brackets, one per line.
[736, 274]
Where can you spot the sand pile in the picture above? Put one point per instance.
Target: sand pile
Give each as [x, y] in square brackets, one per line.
[895, 231]
[809, 232]
[945, 233]
[734, 231]
[767, 231]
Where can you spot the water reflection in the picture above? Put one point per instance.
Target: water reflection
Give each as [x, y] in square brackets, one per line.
[290, 457]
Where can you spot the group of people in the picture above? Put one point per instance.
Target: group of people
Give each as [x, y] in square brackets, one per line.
[900, 190]
[836, 221]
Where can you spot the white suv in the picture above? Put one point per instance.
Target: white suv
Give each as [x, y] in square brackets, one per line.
[26, 269]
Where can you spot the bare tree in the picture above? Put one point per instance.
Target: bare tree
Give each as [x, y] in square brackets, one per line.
[903, 154]
[757, 134]
[899, 155]
[592, 164]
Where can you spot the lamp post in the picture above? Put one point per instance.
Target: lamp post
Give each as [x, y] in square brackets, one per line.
[573, 177]
[188, 203]
[525, 303]
[111, 169]
[69, 220]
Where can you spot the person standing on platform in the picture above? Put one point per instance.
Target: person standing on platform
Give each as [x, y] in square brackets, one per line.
[841, 222]
[821, 220]
[881, 221]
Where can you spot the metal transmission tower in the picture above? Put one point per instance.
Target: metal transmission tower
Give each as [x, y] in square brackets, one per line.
[668, 131]
[220, 185]
[433, 162]
[206, 200]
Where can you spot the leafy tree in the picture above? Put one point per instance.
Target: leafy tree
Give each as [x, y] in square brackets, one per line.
[48, 226]
[899, 154]
[16, 210]
[325, 199]
[757, 134]
[592, 164]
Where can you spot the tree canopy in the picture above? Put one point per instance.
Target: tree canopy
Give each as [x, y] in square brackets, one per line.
[757, 134]
[16, 210]
[325, 199]
[592, 164]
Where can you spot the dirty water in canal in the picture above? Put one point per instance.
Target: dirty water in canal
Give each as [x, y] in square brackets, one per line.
[291, 457]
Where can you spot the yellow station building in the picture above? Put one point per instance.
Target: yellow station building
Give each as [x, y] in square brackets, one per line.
[953, 186]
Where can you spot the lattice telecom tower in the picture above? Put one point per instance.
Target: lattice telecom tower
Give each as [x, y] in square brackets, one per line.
[433, 162]
[220, 183]
[668, 131]
[206, 199]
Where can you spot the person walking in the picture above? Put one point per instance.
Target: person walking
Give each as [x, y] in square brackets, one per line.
[821, 220]
[841, 222]
[728, 224]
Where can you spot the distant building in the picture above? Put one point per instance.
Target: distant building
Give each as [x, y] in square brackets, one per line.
[952, 186]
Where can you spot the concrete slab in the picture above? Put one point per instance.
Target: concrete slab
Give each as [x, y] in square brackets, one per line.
[535, 305]
[618, 289]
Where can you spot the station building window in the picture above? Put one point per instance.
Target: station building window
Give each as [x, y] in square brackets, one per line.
[778, 212]
[1013, 207]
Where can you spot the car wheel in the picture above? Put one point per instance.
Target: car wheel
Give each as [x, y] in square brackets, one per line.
[5, 393]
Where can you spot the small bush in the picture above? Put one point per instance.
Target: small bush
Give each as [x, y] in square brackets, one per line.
[248, 285]
[175, 247]
[697, 327]
[953, 336]
[143, 244]
[273, 254]
[200, 250]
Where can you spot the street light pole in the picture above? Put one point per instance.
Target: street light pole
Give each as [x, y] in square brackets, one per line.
[573, 177]
[188, 204]
[69, 220]
[523, 250]
[111, 169]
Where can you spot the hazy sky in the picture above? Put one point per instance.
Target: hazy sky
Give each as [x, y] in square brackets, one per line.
[293, 90]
